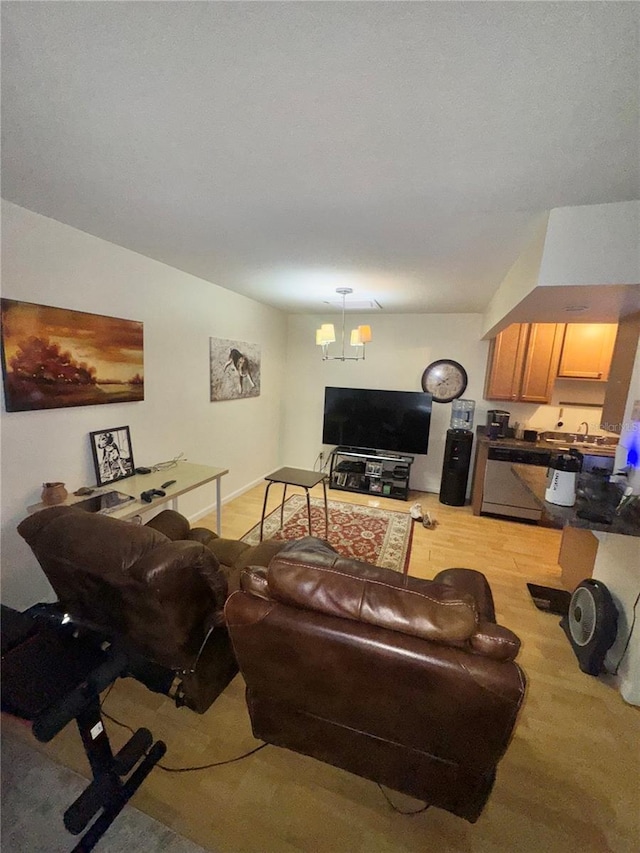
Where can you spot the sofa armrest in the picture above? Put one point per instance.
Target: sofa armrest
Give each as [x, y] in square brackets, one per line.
[253, 579]
[494, 641]
[171, 523]
[474, 583]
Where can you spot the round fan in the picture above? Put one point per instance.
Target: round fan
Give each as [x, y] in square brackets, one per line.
[591, 624]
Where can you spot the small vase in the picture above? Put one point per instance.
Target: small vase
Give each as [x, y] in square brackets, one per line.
[53, 493]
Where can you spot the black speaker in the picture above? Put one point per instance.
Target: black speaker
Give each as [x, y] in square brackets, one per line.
[455, 468]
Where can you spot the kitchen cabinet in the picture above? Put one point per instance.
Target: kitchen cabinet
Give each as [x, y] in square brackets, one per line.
[523, 362]
[586, 351]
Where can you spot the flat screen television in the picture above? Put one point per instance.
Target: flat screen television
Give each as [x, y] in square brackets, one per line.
[396, 421]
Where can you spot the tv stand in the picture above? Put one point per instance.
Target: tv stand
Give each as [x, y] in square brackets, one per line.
[368, 471]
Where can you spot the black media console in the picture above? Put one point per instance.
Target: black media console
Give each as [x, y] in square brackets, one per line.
[357, 469]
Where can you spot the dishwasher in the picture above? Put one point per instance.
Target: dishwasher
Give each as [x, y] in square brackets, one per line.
[503, 493]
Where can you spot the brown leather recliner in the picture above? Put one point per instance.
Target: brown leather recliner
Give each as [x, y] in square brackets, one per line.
[404, 681]
[232, 554]
[159, 589]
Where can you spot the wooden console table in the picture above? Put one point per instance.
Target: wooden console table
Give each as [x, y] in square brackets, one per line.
[187, 476]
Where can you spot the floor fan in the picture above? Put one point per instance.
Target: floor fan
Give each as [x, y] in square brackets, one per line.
[591, 624]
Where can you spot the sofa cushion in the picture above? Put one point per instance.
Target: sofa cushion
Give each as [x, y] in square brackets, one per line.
[310, 574]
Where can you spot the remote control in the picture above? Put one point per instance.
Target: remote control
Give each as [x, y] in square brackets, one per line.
[168, 483]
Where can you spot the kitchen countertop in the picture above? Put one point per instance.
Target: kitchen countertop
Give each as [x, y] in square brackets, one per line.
[540, 444]
[594, 494]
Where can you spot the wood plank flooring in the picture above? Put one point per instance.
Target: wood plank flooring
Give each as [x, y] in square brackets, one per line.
[569, 780]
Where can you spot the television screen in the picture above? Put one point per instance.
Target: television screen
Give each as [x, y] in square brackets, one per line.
[396, 421]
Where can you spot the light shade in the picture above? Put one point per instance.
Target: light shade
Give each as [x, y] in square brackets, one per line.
[365, 334]
[360, 336]
[325, 334]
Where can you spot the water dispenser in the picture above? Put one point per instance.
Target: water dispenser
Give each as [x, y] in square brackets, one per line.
[462, 414]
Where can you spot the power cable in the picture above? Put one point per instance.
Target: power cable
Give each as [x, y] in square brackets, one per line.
[401, 811]
[185, 769]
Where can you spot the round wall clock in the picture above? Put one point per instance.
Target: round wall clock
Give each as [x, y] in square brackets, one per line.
[445, 379]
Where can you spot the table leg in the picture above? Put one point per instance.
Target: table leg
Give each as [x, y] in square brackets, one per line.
[309, 511]
[218, 507]
[284, 497]
[326, 510]
[264, 508]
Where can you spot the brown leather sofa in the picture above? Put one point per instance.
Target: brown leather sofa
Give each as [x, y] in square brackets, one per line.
[232, 554]
[159, 589]
[404, 681]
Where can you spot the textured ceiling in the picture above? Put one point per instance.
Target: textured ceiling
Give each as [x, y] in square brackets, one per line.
[282, 150]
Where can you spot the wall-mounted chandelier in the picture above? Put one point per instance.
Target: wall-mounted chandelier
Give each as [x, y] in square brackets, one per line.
[359, 337]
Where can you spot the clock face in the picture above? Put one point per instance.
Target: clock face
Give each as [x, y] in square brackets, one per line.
[445, 380]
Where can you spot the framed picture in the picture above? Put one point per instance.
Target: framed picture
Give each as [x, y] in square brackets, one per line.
[55, 357]
[112, 454]
[234, 369]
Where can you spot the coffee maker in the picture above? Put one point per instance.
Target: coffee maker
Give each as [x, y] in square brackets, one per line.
[561, 478]
[501, 418]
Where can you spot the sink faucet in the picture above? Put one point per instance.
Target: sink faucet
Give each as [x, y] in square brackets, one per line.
[586, 427]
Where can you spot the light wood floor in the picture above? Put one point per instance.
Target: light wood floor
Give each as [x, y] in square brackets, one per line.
[569, 781]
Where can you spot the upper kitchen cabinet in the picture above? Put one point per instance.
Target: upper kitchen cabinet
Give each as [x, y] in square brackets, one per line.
[523, 362]
[586, 351]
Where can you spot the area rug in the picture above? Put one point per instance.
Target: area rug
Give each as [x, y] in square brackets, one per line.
[377, 536]
[36, 791]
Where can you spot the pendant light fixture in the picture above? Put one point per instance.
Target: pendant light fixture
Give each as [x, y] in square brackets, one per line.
[359, 337]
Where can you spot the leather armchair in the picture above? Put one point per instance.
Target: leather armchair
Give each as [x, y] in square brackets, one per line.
[404, 681]
[157, 589]
[233, 555]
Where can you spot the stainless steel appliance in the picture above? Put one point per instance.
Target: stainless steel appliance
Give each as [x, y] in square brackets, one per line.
[500, 417]
[503, 493]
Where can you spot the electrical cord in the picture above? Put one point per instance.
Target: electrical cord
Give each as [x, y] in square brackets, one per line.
[171, 463]
[214, 763]
[237, 758]
[183, 769]
[626, 645]
[396, 809]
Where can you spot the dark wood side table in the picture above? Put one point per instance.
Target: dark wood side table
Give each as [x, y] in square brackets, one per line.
[305, 480]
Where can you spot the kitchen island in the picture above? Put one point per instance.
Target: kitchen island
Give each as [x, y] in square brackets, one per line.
[496, 490]
[595, 507]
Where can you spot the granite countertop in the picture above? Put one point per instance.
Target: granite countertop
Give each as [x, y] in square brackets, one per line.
[595, 495]
[541, 444]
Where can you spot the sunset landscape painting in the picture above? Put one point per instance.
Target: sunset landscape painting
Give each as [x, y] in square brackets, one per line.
[54, 357]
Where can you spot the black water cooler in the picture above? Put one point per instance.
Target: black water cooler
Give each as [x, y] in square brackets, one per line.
[455, 468]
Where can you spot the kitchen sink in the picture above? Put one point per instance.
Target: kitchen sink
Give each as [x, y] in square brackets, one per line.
[579, 439]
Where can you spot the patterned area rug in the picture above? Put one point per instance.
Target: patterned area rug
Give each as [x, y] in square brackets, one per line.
[377, 536]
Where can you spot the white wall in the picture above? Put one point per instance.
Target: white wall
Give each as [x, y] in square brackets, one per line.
[403, 345]
[588, 254]
[46, 262]
[592, 244]
[521, 279]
